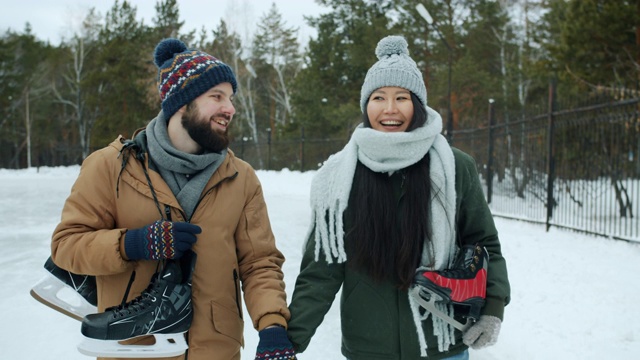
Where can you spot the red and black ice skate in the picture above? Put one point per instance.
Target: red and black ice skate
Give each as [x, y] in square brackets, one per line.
[464, 286]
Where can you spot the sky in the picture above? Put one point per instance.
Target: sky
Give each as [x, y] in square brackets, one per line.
[54, 20]
[574, 296]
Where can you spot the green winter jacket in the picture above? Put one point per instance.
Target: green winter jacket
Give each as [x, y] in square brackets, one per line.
[376, 319]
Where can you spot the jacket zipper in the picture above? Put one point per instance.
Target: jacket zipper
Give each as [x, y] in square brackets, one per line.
[235, 283]
[167, 212]
[211, 189]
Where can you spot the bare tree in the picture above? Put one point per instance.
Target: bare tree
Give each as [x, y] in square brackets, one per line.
[73, 81]
[277, 46]
[24, 81]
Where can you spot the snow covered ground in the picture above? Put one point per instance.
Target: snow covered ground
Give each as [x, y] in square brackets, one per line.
[573, 296]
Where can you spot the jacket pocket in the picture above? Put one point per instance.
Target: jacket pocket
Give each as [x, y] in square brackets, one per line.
[227, 322]
[236, 283]
[367, 325]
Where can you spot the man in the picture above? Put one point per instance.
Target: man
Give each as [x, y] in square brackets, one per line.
[173, 189]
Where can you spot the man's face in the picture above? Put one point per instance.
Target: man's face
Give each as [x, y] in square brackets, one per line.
[207, 118]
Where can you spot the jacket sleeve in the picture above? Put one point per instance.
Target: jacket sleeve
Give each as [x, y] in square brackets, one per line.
[314, 293]
[259, 260]
[475, 225]
[85, 241]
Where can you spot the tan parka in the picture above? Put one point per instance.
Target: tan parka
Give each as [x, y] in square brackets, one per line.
[236, 249]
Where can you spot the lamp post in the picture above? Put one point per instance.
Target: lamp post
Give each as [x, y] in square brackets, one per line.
[427, 17]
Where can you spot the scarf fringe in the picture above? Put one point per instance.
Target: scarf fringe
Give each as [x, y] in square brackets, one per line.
[329, 238]
[444, 332]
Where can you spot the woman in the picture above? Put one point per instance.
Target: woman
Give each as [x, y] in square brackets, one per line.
[395, 201]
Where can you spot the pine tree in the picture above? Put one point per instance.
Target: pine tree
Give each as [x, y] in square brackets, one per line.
[592, 43]
[326, 94]
[276, 50]
[124, 61]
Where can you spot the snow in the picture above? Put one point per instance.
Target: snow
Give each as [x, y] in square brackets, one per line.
[574, 296]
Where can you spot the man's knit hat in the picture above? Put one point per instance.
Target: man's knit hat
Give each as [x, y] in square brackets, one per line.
[394, 68]
[185, 74]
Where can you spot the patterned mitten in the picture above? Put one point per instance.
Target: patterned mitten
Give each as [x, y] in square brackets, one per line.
[483, 333]
[275, 345]
[160, 240]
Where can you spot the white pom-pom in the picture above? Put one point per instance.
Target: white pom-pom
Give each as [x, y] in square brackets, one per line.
[392, 45]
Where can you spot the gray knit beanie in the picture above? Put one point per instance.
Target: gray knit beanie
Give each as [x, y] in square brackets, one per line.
[394, 68]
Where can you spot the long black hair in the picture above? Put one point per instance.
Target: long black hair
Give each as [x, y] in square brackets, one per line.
[381, 241]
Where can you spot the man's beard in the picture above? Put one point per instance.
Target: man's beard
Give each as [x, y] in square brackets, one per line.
[201, 132]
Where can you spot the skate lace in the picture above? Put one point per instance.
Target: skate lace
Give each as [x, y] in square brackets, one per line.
[139, 303]
[467, 265]
[138, 148]
[467, 273]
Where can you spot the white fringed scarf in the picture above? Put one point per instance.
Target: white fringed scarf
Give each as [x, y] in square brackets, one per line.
[389, 152]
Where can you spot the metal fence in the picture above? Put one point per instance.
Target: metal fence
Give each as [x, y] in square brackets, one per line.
[573, 167]
[300, 154]
[576, 168]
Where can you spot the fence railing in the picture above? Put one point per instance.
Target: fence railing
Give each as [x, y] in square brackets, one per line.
[300, 154]
[575, 168]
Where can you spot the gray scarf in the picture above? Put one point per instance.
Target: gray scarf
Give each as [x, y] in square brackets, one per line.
[186, 174]
[388, 152]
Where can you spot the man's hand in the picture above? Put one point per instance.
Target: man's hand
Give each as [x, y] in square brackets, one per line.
[160, 240]
[275, 345]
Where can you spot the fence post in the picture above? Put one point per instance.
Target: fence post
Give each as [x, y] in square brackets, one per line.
[550, 152]
[490, 154]
[302, 148]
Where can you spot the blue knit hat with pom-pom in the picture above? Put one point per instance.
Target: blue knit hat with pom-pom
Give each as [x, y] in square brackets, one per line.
[185, 74]
[394, 68]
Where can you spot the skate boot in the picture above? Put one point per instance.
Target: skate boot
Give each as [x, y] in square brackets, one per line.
[163, 310]
[464, 285]
[50, 289]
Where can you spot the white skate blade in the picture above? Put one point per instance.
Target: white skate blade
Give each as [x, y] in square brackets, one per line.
[57, 295]
[166, 345]
[431, 306]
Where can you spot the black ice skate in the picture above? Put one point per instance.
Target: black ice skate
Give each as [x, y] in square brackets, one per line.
[464, 286]
[163, 310]
[51, 291]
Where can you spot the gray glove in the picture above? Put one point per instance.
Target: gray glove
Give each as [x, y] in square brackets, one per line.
[483, 333]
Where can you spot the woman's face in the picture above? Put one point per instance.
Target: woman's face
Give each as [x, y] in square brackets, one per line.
[390, 109]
